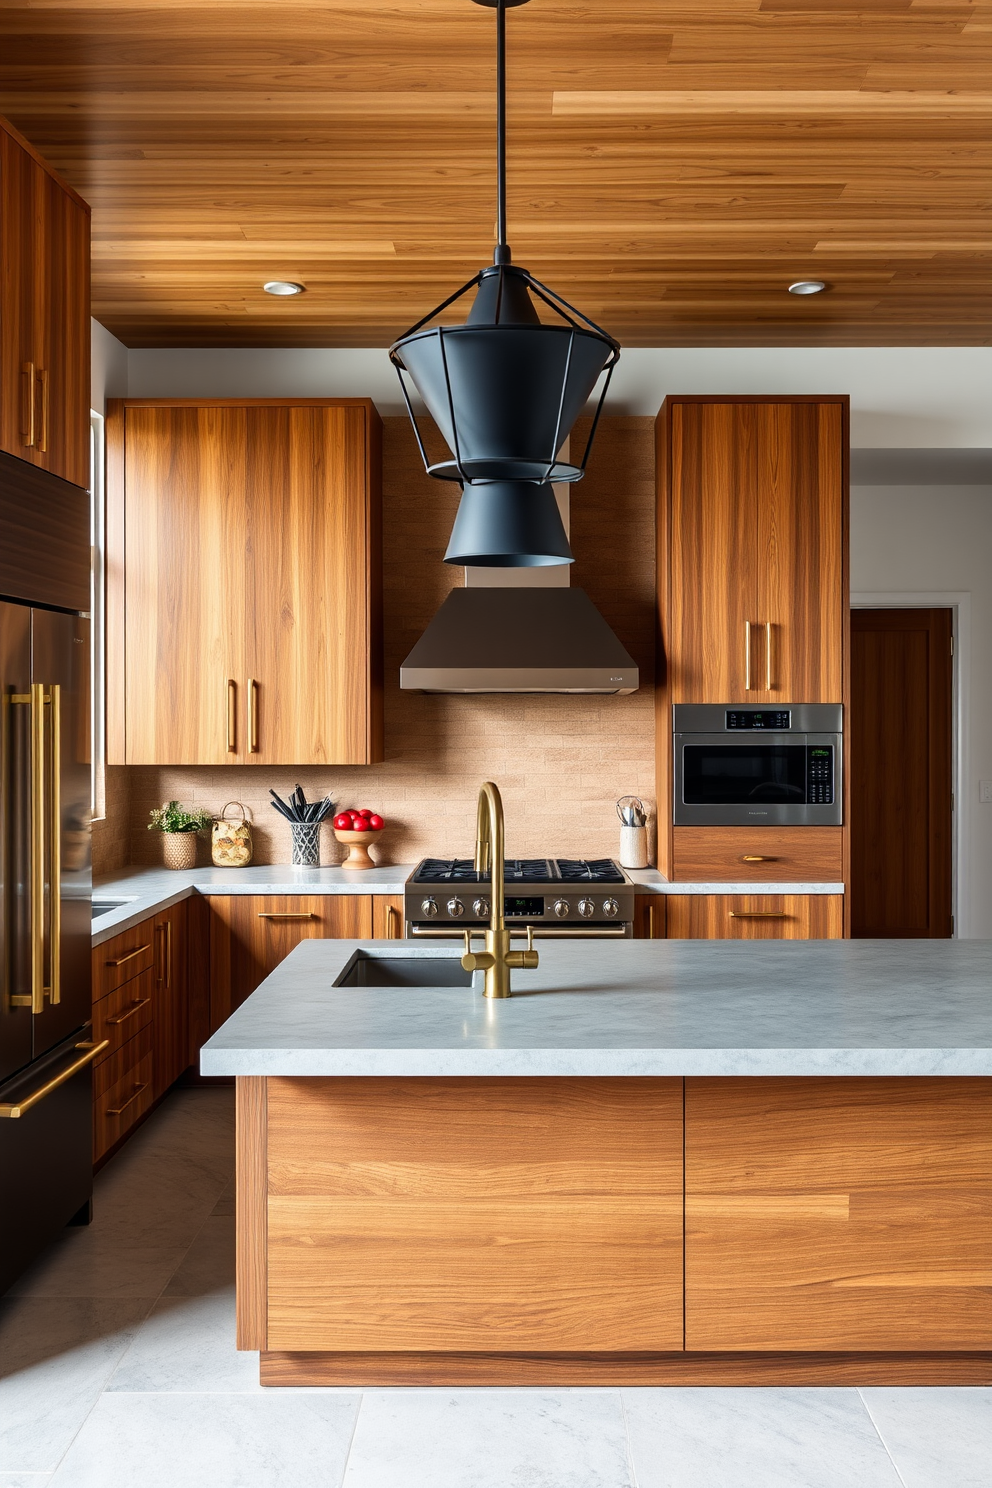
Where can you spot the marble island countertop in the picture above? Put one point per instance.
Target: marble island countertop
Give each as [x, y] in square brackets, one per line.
[657, 1008]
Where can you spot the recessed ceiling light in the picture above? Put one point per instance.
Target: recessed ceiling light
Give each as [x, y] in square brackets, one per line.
[801, 286]
[282, 287]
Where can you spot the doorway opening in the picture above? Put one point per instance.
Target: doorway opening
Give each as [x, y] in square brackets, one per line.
[902, 772]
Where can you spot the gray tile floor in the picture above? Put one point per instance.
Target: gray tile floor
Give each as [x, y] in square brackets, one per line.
[118, 1369]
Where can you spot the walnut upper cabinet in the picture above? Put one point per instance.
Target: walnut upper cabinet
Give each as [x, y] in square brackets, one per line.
[44, 314]
[752, 537]
[244, 622]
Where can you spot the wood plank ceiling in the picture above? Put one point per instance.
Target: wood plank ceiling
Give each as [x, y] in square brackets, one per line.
[672, 166]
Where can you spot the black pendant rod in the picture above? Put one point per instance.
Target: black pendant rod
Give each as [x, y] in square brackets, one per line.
[502, 253]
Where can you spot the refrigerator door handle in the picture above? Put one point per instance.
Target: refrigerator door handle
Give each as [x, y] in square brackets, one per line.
[55, 844]
[15, 1109]
[37, 868]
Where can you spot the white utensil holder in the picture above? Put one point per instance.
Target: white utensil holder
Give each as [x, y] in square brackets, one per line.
[633, 847]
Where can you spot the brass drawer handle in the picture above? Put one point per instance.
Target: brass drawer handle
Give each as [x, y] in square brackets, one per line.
[756, 858]
[130, 956]
[392, 923]
[232, 716]
[130, 1012]
[18, 1108]
[286, 915]
[118, 1110]
[28, 403]
[759, 914]
[252, 716]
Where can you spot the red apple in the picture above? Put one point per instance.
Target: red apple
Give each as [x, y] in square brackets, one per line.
[343, 821]
[376, 823]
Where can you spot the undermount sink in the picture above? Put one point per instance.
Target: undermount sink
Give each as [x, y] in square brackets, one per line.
[104, 906]
[403, 971]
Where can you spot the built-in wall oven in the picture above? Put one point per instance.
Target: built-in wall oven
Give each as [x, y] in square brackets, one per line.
[746, 766]
[570, 898]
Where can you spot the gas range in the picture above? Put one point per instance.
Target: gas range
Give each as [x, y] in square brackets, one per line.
[575, 897]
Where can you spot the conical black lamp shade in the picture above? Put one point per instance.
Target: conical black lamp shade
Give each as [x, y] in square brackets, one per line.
[508, 524]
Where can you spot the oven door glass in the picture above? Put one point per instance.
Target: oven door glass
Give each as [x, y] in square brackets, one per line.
[741, 774]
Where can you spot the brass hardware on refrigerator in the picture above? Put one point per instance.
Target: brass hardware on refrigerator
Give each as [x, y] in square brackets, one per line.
[28, 401]
[129, 1012]
[252, 716]
[497, 959]
[265, 914]
[119, 1110]
[120, 960]
[232, 716]
[15, 1109]
[758, 914]
[45, 814]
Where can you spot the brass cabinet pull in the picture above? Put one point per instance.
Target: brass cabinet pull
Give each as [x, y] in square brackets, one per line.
[651, 920]
[268, 914]
[130, 1011]
[756, 858]
[392, 922]
[252, 716]
[119, 1110]
[768, 655]
[42, 444]
[232, 716]
[55, 849]
[168, 954]
[130, 956]
[17, 1108]
[28, 400]
[747, 656]
[160, 930]
[758, 914]
[37, 831]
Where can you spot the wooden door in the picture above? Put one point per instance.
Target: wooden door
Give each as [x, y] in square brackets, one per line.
[250, 934]
[899, 756]
[755, 916]
[24, 211]
[797, 645]
[838, 1214]
[171, 996]
[713, 550]
[309, 615]
[185, 477]
[388, 917]
[649, 917]
[64, 344]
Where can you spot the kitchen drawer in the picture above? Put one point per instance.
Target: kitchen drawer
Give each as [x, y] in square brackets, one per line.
[124, 1012]
[755, 916]
[764, 854]
[122, 1091]
[118, 960]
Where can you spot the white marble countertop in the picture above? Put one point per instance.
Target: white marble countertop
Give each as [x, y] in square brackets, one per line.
[630, 1008]
[147, 890]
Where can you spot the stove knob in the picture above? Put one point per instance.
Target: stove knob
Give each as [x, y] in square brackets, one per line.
[586, 909]
[560, 908]
[480, 907]
[611, 908]
[456, 908]
[429, 908]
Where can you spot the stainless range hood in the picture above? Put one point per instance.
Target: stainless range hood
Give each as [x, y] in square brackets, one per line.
[518, 640]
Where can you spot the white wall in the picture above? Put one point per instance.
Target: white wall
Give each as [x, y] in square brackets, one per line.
[901, 397]
[108, 367]
[933, 540]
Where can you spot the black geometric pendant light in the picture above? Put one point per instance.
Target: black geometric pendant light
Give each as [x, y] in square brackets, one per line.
[505, 387]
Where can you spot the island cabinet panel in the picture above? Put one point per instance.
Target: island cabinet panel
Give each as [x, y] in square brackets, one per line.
[782, 854]
[244, 608]
[439, 1215]
[838, 1214]
[755, 916]
[251, 933]
[171, 995]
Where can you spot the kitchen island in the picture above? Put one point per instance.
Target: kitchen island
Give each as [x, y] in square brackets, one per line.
[657, 1162]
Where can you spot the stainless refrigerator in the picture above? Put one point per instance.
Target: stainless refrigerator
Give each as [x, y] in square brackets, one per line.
[46, 1053]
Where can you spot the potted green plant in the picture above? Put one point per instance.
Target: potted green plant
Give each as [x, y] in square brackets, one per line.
[179, 826]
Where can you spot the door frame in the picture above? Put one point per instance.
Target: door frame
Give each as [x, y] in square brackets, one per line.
[959, 603]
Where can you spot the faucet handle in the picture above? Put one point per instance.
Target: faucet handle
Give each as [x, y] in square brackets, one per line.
[530, 937]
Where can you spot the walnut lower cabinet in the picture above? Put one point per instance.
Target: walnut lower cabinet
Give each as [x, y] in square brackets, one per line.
[615, 1231]
[754, 916]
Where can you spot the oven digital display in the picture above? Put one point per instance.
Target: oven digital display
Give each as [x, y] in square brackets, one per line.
[519, 907]
[760, 719]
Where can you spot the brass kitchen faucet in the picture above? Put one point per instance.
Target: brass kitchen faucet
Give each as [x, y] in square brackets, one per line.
[497, 959]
